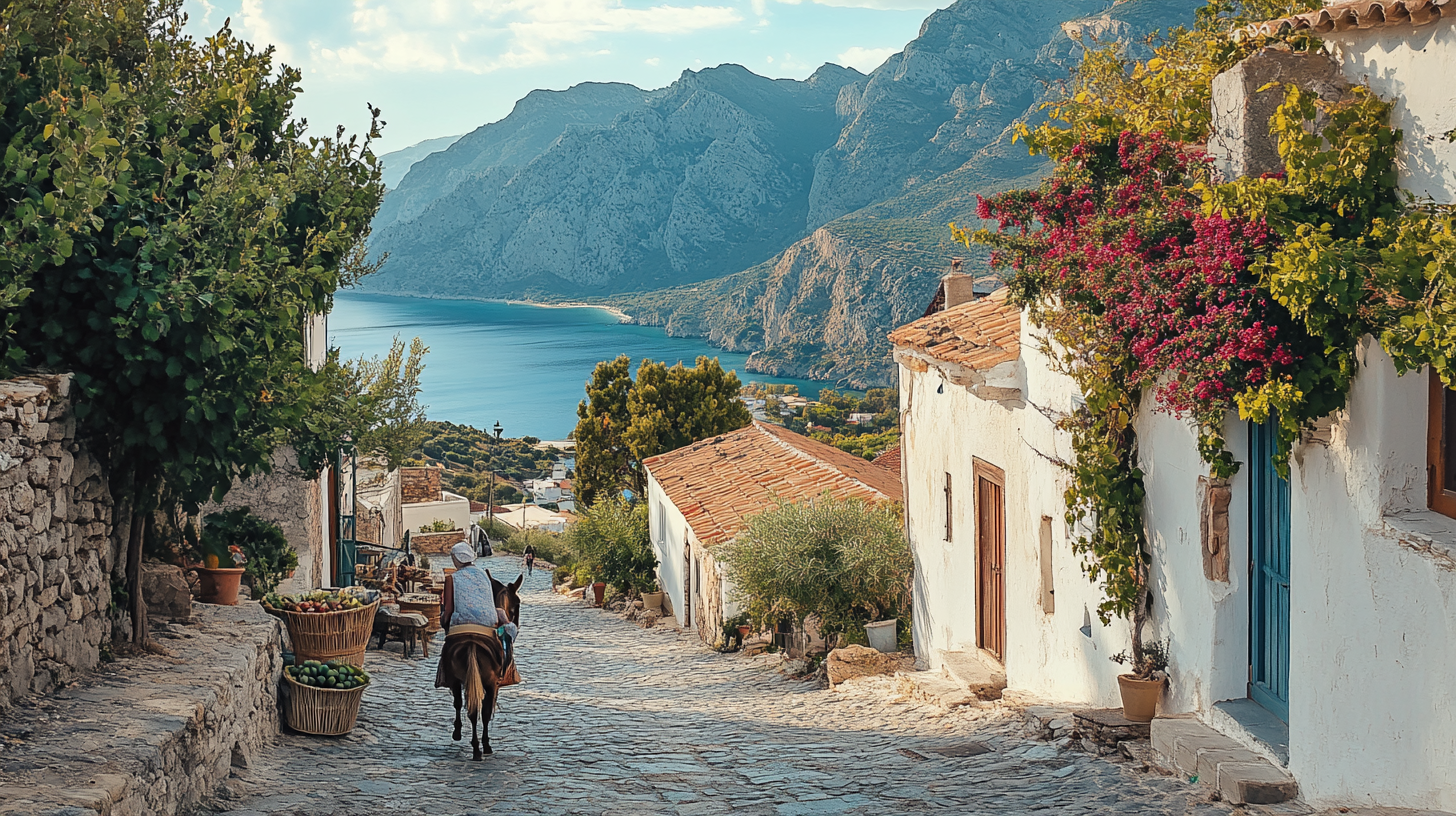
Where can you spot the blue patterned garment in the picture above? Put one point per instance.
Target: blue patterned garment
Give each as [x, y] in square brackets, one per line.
[474, 597]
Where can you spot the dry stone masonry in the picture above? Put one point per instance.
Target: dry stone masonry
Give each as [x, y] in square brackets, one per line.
[284, 497]
[55, 548]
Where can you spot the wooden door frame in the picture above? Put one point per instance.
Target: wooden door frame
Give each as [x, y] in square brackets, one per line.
[981, 469]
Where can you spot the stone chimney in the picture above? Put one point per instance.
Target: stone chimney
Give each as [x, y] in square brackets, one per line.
[1245, 98]
[958, 287]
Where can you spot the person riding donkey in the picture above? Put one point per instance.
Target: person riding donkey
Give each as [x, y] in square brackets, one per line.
[481, 617]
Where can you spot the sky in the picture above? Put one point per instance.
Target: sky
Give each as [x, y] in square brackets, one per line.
[445, 67]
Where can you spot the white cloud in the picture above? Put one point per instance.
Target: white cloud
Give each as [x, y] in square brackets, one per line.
[253, 25]
[866, 59]
[770, 59]
[653, 60]
[474, 36]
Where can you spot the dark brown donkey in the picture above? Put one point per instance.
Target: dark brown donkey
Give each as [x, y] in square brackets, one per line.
[476, 664]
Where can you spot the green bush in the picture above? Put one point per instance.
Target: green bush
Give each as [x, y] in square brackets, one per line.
[845, 561]
[611, 539]
[269, 555]
[499, 531]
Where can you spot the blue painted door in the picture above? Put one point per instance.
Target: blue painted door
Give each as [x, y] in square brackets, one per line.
[1269, 574]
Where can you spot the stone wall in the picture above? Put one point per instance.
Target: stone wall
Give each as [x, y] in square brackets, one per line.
[150, 734]
[287, 499]
[420, 484]
[436, 543]
[55, 549]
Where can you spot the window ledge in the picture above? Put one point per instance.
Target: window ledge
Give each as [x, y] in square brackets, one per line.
[1428, 533]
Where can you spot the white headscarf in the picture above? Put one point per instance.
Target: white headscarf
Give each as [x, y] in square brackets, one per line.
[462, 552]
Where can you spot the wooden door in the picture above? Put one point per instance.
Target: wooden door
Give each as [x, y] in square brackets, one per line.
[990, 558]
[1269, 526]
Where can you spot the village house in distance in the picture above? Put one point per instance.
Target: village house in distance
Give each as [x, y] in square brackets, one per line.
[1310, 621]
[700, 496]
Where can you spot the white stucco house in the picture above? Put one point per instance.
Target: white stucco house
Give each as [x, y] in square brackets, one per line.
[1321, 631]
[700, 496]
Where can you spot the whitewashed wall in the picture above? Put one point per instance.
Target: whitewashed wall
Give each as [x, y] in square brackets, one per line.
[946, 428]
[669, 532]
[1415, 67]
[1373, 592]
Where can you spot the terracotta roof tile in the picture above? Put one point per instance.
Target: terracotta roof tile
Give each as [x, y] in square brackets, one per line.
[1356, 14]
[889, 460]
[718, 483]
[978, 334]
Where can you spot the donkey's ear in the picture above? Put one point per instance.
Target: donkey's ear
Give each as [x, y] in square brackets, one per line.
[491, 577]
[519, 580]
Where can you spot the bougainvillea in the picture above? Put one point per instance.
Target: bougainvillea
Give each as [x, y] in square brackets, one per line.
[1145, 279]
[1251, 295]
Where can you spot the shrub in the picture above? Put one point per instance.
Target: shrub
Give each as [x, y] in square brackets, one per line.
[611, 539]
[844, 560]
[269, 555]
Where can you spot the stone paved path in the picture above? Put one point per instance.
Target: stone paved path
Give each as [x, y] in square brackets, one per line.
[613, 719]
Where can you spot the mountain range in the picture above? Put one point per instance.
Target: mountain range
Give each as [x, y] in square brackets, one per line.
[796, 220]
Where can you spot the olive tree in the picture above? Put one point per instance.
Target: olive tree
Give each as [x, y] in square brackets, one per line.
[844, 561]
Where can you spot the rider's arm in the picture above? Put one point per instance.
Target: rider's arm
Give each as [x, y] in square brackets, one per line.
[447, 601]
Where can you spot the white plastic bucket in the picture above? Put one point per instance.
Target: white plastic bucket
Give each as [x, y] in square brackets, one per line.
[881, 635]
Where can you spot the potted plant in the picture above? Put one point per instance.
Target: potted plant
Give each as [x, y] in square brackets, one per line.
[652, 595]
[271, 559]
[223, 558]
[1143, 686]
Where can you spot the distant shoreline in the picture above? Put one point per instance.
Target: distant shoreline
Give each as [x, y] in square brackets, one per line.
[612, 310]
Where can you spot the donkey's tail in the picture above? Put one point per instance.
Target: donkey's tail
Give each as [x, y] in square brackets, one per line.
[474, 688]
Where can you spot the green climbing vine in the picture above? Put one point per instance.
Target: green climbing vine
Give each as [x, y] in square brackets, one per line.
[1151, 277]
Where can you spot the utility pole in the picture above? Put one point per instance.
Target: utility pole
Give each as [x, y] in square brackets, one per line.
[490, 498]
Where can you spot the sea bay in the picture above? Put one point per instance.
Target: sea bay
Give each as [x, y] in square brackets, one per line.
[521, 365]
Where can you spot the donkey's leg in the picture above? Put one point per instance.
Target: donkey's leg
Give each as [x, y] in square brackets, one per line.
[455, 690]
[474, 739]
[487, 709]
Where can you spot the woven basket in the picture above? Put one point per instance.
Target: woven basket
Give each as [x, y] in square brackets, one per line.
[325, 712]
[417, 602]
[325, 636]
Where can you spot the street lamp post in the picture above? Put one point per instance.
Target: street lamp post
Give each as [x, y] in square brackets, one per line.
[490, 497]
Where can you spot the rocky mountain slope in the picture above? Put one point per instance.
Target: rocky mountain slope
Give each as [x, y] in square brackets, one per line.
[796, 220]
[398, 163]
[705, 177]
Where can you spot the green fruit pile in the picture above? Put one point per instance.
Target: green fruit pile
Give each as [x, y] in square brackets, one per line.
[330, 675]
[316, 602]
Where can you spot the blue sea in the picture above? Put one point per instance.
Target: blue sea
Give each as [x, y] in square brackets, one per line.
[523, 366]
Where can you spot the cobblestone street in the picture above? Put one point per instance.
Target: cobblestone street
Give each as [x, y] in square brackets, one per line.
[614, 719]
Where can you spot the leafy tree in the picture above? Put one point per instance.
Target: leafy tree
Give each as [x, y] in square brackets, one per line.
[845, 561]
[611, 540]
[174, 228]
[603, 461]
[674, 407]
[374, 401]
[623, 422]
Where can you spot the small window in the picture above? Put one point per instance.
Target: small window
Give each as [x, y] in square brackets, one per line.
[1441, 448]
[949, 509]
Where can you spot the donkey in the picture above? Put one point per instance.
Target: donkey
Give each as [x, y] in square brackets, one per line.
[477, 666]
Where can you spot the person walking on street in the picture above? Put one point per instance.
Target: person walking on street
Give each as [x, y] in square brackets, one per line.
[530, 555]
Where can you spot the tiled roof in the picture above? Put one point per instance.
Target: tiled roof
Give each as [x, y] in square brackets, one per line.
[977, 335]
[718, 483]
[477, 507]
[1356, 14]
[889, 460]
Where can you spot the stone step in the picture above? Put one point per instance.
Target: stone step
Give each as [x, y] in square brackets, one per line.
[934, 688]
[976, 671]
[1241, 776]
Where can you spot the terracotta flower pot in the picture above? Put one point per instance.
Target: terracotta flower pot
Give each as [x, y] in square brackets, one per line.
[1140, 697]
[744, 630]
[599, 592]
[219, 586]
[652, 600]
